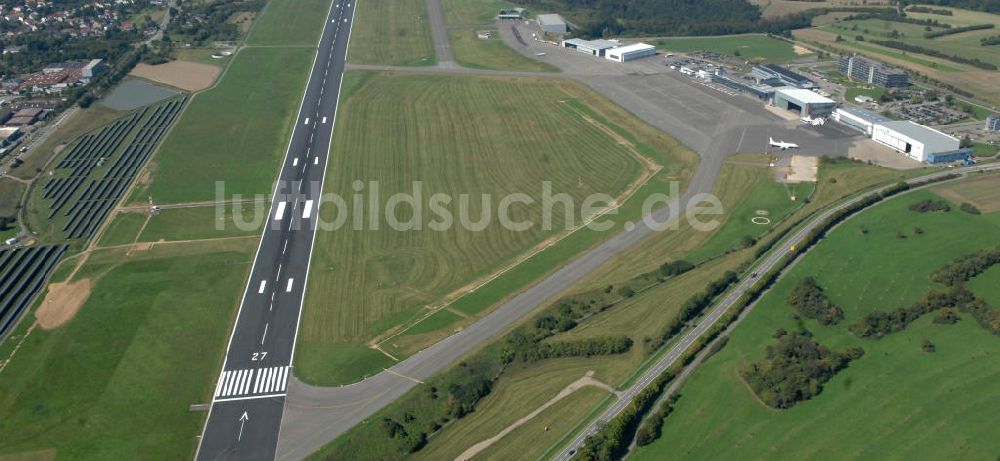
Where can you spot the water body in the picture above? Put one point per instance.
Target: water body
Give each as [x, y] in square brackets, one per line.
[134, 93]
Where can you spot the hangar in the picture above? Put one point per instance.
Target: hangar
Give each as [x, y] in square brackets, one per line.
[861, 119]
[552, 23]
[807, 103]
[914, 140]
[630, 52]
[591, 47]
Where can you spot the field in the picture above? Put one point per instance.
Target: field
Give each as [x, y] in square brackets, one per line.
[186, 75]
[391, 33]
[492, 53]
[983, 192]
[895, 402]
[966, 44]
[117, 380]
[767, 201]
[472, 11]
[290, 22]
[236, 132]
[752, 47]
[386, 277]
[10, 195]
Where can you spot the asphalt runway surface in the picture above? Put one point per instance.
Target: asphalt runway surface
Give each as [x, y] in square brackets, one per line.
[249, 397]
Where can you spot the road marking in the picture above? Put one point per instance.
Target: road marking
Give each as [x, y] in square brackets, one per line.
[295, 161]
[280, 213]
[324, 118]
[265, 333]
[278, 274]
[255, 397]
[321, 90]
[309, 209]
[307, 121]
[285, 247]
[288, 289]
[263, 283]
[315, 160]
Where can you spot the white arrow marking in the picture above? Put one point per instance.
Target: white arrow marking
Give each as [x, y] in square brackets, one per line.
[243, 421]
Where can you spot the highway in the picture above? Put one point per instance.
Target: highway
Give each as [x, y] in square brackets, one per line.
[249, 396]
[704, 325]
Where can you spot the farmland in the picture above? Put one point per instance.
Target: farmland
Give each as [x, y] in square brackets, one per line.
[289, 22]
[964, 44]
[237, 131]
[752, 47]
[391, 33]
[897, 400]
[491, 53]
[386, 277]
[130, 362]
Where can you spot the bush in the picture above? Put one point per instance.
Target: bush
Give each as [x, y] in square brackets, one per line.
[946, 316]
[970, 208]
[794, 369]
[925, 206]
[927, 346]
[809, 301]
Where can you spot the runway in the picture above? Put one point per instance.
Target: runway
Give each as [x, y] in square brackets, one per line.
[249, 396]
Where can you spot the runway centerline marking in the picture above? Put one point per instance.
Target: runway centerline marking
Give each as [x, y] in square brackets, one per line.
[265, 333]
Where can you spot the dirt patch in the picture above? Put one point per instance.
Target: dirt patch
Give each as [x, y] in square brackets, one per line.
[186, 75]
[801, 50]
[61, 303]
[803, 169]
[586, 380]
[47, 454]
[983, 193]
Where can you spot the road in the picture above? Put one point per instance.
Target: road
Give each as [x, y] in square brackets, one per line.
[248, 401]
[674, 353]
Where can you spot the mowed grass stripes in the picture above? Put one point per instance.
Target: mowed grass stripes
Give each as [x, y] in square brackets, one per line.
[457, 135]
[391, 33]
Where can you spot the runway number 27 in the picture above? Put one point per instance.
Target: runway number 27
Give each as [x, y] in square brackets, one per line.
[259, 356]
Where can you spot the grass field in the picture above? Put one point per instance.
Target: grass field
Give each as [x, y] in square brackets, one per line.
[236, 132]
[492, 53]
[983, 192]
[123, 229]
[290, 22]
[391, 33]
[895, 402]
[115, 382]
[11, 192]
[386, 277]
[85, 120]
[752, 47]
[472, 11]
[764, 195]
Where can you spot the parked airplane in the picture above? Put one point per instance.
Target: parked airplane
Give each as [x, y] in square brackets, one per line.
[782, 144]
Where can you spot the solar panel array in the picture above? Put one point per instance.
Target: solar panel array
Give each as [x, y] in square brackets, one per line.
[22, 272]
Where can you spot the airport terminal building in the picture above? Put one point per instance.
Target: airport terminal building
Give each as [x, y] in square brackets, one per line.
[805, 102]
[913, 140]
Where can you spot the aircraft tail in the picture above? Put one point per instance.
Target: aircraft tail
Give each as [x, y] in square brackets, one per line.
[770, 140]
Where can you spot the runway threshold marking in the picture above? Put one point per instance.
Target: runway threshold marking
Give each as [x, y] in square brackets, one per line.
[251, 382]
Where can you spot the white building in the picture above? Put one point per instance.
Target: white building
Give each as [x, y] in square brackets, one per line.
[630, 52]
[861, 119]
[914, 140]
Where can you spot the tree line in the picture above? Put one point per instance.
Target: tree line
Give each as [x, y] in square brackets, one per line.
[957, 30]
